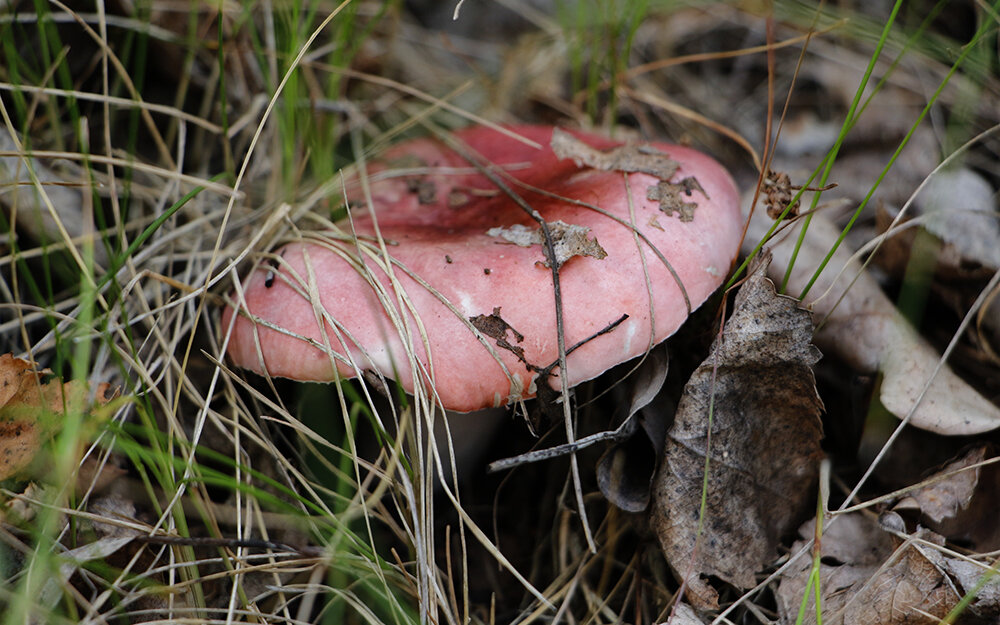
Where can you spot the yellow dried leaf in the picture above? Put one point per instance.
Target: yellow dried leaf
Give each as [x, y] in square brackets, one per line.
[31, 411]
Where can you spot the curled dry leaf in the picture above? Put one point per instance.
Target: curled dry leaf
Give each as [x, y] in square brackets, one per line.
[957, 208]
[30, 411]
[978, 576]
[672, 197]
[629, 159]
[757, 392]
[95, 477]
[494, 326]
[866, 577]
[75, 560]
[863, 327]
[625, 472]
[944, 498]
[962, 506]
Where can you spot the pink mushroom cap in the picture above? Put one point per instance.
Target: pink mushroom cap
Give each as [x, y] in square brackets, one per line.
[435, 211]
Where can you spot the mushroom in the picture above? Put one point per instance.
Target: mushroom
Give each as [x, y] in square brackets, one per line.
[440, 277]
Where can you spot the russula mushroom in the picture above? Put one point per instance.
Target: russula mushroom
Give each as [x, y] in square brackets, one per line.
[643, 230]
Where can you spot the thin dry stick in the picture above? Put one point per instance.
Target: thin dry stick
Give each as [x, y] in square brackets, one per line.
[231, 543]
[645, 68]
[193, 181]
[86, 96]
[677, 109]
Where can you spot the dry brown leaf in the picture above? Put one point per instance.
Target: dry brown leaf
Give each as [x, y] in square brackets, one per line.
[945, 498]
[30, 410]
[758, 384]
[962, 506]
[74, 560]
[96, 477]
[671, 197]
[19, 511]
[568, 240]
[961, 211]
[970, 576]
[953, 267]
[864, 328]
[494, 326]
[866, 578]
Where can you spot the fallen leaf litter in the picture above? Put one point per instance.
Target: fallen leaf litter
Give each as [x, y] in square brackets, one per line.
[752, 410]
[30, 410]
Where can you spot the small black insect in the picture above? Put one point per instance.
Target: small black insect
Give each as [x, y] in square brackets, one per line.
[269, 278]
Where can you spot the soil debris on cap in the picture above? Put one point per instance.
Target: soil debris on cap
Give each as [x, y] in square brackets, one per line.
[425, 189]
[635, 159]
[569, 240]
[631, 159]
[671, 197]
[494, 326]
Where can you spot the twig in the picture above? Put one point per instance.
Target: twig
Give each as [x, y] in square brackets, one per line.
[623, 431]
[236, 543]
[547, 371]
